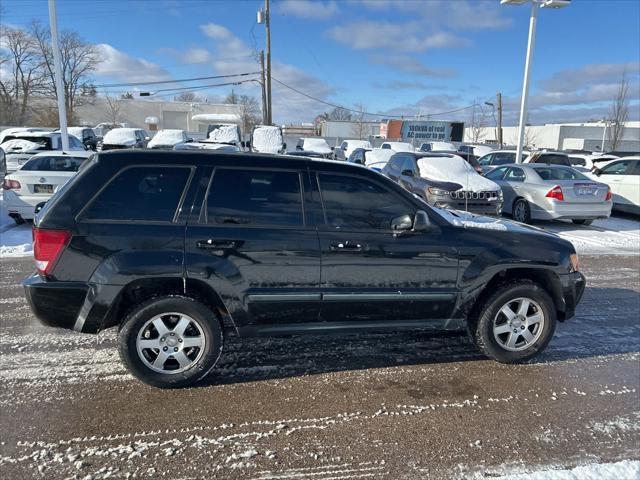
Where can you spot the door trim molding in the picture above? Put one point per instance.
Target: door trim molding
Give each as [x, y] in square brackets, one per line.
[394, 296]
[285, 297]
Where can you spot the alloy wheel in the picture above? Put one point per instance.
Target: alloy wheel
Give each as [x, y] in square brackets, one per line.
[518, 324]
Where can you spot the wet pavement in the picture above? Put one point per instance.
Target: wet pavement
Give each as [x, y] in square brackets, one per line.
[389, 406]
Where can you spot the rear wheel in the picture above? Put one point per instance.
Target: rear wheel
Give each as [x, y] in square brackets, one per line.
[521, 211]
[170, 342]
[582, 221]
[515, 323]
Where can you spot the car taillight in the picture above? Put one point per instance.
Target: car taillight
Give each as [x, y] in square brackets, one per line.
[11, 184]
[608, 197]
[556, 192]
[47, 247]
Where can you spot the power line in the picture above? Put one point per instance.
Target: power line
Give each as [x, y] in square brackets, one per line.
[160, 82]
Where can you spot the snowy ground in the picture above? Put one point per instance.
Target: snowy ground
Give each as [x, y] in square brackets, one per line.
[411, 405]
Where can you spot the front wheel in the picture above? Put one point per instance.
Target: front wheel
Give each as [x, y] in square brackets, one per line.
[516, 323]
[521, 211]
[170, 342]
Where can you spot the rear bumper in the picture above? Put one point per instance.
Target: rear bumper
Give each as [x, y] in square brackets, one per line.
[573, 285]
[579, 211]
[55, 304]
[23, 205]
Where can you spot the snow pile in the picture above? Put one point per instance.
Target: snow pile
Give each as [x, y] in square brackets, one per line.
[623, 470]
[455, 169]
[316, 145]
[16, 242]
[166, 137]
[377, 156]
[224, 134]
[462, 219]
[267, 139]
[401, 146]
[18, 146]
[120, 136]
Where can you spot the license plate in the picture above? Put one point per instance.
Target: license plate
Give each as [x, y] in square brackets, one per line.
[43, 188]
[584, 189]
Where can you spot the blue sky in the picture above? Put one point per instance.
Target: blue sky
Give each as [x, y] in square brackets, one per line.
[393, 57]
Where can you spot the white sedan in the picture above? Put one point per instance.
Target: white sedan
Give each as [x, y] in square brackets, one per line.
[36, 181]
[623, 177]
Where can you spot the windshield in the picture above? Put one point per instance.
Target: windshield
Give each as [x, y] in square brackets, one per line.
[559, 174]
[53, 164]
[40, 141]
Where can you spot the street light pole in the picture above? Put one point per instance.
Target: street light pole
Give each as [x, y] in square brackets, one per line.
[57, 63]
[525, 86]
[267, 27]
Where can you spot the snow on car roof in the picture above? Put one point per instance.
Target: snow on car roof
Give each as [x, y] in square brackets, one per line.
[119, 136]
[167, 137]
[267, 139]
[17, 145]
[224, 134]
[318, 145]
[452, 168]
[378, 155]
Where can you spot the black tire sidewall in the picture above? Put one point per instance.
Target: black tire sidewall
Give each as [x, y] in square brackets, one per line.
[527, 210]
[484, 328]
[136, 319]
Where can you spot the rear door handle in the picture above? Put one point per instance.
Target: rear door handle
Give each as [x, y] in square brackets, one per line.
[211, 244]
[346, 247]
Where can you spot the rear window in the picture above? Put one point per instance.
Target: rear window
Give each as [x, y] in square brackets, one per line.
[141, 194]
[54, 164]
[559, 174]
[553, 159]
[577, 161]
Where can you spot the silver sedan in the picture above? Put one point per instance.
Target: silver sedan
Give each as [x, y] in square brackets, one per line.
[536, 191]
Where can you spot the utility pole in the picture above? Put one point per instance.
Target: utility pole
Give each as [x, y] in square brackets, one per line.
[267, 27]
[57, 62]
[263, 87]
[499, 103]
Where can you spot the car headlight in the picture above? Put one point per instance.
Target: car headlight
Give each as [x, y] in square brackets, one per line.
[437, 191]
[500, 195]
[575, 262]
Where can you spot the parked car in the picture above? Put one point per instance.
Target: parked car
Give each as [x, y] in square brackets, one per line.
[374, 159]
[168, 138]
[318, 146]
[348, 146]
[499, 157]
[224, 134]
[586, 162]
[174, 248]
[36, 181]
[119, 138]
[3, 163]
[445, 181]
[397, 146]
[19, 147]
[86, 135]
[550, 158]
[101, 129]
[477, 150]
[535, 191]
[623, 176]
[267, 139]
[438, 147]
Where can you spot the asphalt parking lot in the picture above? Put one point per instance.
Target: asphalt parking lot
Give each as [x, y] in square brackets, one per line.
[411, 405]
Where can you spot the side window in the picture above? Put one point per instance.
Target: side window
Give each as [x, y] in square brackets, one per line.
[486, 160]
[616, 168]
[503, 158]
[496, 173]
[407, 164]
[351, 202]
[254, 197]
[635, 170]
[386, 146]
[140, 193]
[577, 161]
[515, 175]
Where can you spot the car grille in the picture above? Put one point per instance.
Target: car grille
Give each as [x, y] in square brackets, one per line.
[468, 195]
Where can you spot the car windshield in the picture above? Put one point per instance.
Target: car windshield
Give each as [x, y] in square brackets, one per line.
[41, 141]
[550, 173]
[53, 164]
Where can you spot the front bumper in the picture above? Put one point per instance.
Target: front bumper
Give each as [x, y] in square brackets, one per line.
[573, 285]
[484, 207]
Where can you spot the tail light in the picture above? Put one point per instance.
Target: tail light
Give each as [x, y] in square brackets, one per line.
[608, 197]
[47, 247]
[11, 184]
[556, 192]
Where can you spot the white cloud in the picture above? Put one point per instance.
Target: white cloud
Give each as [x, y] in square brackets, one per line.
[407, 64]
[116, 64]
[569, 80]
[408, 37]
[196, 55]
[308, 9]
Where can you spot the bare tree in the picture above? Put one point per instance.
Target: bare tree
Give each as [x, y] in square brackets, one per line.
[359, 128]
[114, 105]
[21, 75]
[249, 109]
[187, 97]
[478, 123]
[79, 60]
[529, 140]
[619, 113]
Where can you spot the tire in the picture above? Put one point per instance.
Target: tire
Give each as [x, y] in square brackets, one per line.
[490, 320]
[19, 220]
[192, 330]
[521, 211]
[582, 222]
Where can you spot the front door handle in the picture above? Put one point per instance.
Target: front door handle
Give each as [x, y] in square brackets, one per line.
[346, 247]
[211, 244]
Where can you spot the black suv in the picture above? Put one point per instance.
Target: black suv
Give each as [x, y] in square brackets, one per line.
[177, 248]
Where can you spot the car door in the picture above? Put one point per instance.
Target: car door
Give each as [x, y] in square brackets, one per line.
[371, 272]
[407, 172]
[252, 243]
[497, 175]
[624, 185]
[392, 169]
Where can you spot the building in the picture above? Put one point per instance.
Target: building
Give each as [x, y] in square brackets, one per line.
[348, 129]
[591, 136]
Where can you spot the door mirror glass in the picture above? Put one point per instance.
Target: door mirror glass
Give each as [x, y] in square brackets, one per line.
[421, 222]
[597, 171]
[407, 173]
[402, 222]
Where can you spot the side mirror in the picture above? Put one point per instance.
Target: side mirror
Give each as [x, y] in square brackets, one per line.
[298, 147]
[407, 173]
[596, 171]
[421, 222]
[401, 223]
[333, 148]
